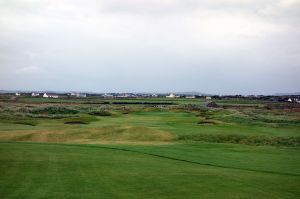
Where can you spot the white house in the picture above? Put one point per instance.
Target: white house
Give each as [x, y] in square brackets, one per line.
[35, 94]
[171, 96]
[208, 98]
[53, 96]
[107, 95]
[77, 94]
[190, 97]
[18, 94]
[50, 96]
[80, 95]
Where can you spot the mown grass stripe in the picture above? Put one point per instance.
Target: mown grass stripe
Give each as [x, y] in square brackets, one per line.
[156, 155]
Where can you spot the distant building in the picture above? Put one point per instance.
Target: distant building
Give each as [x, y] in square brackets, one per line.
[122, 96]
[18, 94]
[107, 95]
[190, 97]
[53, 96]
[171, 96]
[77, 94]
[208, 98]
[35, 94]
[49, 96]
[80, 95]
[293, 99]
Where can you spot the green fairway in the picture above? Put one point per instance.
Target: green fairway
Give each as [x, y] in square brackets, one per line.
[67, 171]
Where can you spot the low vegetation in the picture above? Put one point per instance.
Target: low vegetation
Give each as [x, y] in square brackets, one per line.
[26, 122]
[100, 113]
[242, 139]
[145, 148]
[80, 120]
[53, 110]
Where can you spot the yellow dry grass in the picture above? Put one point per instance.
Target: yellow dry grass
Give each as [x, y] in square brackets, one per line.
[108, 134]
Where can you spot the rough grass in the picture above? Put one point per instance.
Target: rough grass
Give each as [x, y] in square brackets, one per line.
[187, 121]
[26, 122]
[53, 110]
[79, 120]
[54, 116]
[18, 119]
[129, 133]
[242, 139]
[100, 113]
[91, 135]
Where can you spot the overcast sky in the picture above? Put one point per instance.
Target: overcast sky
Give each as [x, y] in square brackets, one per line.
[211, 46]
